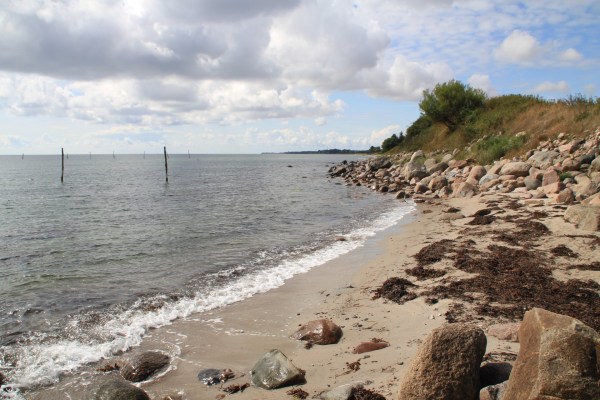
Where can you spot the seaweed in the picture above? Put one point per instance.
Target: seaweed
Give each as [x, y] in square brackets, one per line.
[424, 273]
[360, 393]
[396, 290]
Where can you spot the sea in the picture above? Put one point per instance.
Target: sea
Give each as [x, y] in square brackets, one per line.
[90, 265]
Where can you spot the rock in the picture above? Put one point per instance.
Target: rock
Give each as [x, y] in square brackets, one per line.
[595, 165]
[543, 159]
[414, 169]
[558, 359]
[341, 392]
[585, 217]
[366, 347]
[417, 154]
[566, 196]
[488, 177]
[571, 164]
[377, 163]
[320, 331]
[446, 365]
[553, 188]
[142, 366]
[508, 331]
[477, 172]
[437, 183]
[120, 390]
[439, 167]
[494, 373]
[212, 376]
[2, 379]
[494, 392]
[532, 183]
[339, 170]
[516, 168]
[465, 189]
[274, 370]
[549, 177]
[401, 194]
[593, 200]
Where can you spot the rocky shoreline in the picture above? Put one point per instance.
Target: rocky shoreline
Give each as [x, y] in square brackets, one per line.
[492, 293]
[560, 171]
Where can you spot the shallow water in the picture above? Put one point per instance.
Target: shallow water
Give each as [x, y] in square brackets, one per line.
[90, 265]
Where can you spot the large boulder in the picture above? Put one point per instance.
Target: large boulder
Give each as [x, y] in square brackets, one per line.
[274, 370]
[559, 358]
[465, 189]
[141, 367]
[446, 365]
[477, 172]
[543, 159]
[119, 390]
[322, 331]
[415, 169]
[377, 163]
[516, 168]
[585, 217]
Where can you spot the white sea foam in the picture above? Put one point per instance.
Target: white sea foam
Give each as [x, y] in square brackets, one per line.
[41, 364]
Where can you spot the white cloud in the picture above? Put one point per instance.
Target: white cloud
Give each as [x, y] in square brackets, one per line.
[482, 82]
[321, 121]
[378, 135]
[520, 48]
[570, 55]
[552, 87]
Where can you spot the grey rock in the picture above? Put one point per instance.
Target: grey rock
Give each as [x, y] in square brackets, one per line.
[488, 177]
[142, 366]
[274, 370]
[341, 392]
[531, 183]
[494, 392]
[120, 390]
[543, 159]
[516, 168]
[377, 163]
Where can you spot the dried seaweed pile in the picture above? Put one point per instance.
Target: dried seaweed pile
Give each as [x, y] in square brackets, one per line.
[508, 281]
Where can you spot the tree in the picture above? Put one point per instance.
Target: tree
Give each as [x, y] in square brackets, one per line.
[392, 142]
[451, 102]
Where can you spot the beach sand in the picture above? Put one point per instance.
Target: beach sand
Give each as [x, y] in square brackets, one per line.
[236, 336]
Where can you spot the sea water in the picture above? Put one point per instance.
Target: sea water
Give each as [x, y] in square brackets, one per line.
[89, 265]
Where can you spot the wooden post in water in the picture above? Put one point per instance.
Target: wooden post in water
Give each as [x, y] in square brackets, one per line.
[189, 156]
[62, 172]
[166, 166]
[90, 155]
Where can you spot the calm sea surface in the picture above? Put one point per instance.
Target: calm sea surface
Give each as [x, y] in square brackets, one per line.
[88, 266]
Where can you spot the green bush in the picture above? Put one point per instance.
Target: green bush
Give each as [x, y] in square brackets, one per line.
[422, 123]
[451, 102]
[392, 142]
[496, 147]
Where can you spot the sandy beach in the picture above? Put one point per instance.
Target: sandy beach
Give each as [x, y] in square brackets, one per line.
[342, 291]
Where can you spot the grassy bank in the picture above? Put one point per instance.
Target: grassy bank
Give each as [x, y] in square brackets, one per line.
[504, 126]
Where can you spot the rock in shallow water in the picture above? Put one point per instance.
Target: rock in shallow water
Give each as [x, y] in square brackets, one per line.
[274, 370]
[120, 390]
[141, 367]
[212, 376]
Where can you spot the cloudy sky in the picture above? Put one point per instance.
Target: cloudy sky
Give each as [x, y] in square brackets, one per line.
[241, 76]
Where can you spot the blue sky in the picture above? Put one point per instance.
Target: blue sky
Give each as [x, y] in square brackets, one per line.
[233, 76]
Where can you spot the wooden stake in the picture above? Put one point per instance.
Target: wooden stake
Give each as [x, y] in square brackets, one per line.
[189, 154]
[166, 166]
[62, 173]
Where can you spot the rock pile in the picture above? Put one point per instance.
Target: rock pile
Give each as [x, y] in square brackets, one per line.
[558, 359]
[561, 171]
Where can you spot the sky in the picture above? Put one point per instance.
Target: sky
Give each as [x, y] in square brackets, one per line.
[241, 76]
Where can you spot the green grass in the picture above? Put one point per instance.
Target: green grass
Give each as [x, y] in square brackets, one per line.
[490, 133]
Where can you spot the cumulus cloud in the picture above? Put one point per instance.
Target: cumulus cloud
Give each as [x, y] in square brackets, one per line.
[519, 47]
[570, 55]
[552, 87]
[378, 135]
[482, 82]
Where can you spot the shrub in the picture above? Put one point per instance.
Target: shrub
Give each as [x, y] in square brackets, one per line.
[392, 142]
[451, 102]
[422, 123]
[496, 147]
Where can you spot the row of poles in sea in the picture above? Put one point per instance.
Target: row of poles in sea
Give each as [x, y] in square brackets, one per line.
[62, 152]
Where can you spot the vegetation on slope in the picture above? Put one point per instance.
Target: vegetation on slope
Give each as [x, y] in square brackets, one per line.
[456, 116]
